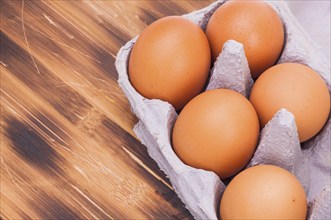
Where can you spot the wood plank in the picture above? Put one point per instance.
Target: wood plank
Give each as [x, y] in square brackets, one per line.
[67, 145]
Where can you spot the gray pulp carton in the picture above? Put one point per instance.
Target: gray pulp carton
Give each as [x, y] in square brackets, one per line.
[201, 190]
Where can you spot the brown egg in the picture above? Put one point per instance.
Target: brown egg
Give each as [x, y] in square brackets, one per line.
[170, 61]
[264, 192]
[297, 88]
[254, 24]
[217, 130]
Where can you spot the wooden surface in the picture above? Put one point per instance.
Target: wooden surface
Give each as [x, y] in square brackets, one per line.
[67, 145]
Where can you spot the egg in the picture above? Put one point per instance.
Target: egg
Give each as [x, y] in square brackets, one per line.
[254, 24]
[170, 61]
[264, 192]
[217, 131]
[297, 88]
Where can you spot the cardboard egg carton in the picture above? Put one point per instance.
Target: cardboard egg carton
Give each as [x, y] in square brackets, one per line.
[201, 190]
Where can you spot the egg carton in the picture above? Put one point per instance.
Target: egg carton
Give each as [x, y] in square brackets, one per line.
[201, 190]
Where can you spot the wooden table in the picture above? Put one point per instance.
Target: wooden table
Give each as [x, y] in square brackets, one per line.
[67, 145]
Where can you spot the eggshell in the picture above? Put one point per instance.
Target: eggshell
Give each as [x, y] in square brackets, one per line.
[254, 24]
[156, 72]
[297, 88]
[264, 192]
[217, 130]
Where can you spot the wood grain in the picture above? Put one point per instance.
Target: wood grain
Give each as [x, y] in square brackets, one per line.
[67, 146]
